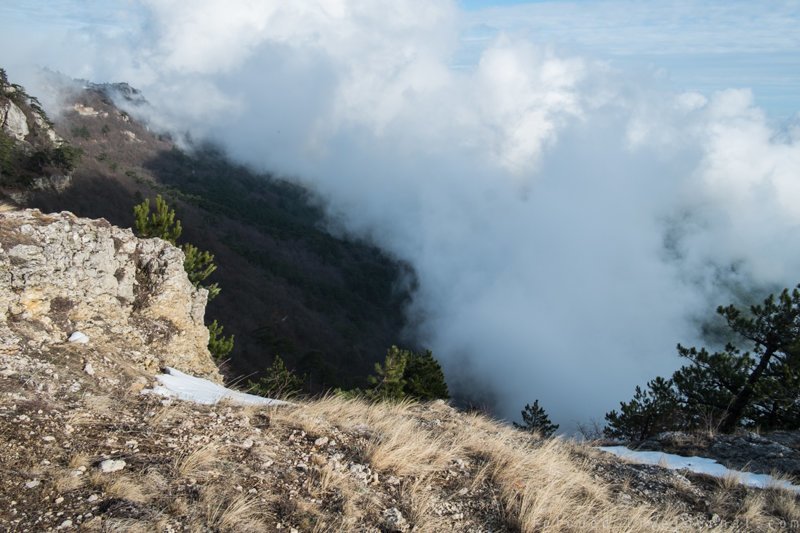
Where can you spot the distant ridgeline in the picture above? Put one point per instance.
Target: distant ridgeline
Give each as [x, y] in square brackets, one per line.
[329, 307]
[32, 155]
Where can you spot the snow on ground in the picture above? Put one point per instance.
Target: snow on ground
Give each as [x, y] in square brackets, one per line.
[176, 384]
[700, 465]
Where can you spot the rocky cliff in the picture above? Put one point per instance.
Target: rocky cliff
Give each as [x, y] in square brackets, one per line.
[129, 297]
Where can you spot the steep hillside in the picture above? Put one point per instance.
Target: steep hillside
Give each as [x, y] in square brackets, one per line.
[330, 307]
[88, 313]
[32, 155]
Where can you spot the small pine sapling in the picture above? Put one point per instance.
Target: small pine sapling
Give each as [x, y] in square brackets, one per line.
[535, 420]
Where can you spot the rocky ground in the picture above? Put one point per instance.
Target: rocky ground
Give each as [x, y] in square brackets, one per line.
[79, 455]
[767, 453]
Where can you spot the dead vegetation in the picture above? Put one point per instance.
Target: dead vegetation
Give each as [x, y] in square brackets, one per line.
[341, 465]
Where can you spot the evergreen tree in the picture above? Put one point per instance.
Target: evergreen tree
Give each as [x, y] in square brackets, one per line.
[161, 223]
[424, 377]
[279, 381]
[219, 345]
[388, 382]
[403, 374]
[535, 420]
[731, 388]
[199, 264]
[774, 330]
[650, 411]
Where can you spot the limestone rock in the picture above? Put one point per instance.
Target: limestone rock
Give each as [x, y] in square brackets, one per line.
[394, 521]
[79, 337]
[13, 120]
[112, 465]
[60, 274]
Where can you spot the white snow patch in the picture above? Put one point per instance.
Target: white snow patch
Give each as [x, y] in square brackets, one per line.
[79, 337]
[700, 465]
[176, 384]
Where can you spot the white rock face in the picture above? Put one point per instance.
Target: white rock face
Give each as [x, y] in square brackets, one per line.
[13, 121]
[45, 127]
[88, 111]
[62, 275]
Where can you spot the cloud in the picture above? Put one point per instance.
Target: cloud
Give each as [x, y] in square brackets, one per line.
[568, 220]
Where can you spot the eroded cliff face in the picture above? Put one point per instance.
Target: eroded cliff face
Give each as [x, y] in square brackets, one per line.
[60, 274]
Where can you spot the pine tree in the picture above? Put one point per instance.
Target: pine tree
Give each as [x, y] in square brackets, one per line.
[731, 388]
[774, 330]
[219, 345]
[199, 264]
[651, 411]
[279, 381]
[403, 374]
[161, 223]
[535, 420]
[424, 377]
[388, 382]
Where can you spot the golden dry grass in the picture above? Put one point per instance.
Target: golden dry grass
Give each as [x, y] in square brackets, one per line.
[198, 463]
[226, 512]
[127, 488]
[67, 481]
[440, 458]
[543, 487]
[80, 460]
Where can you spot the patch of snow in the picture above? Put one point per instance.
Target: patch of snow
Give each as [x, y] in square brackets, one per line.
[176, 384]
[700, 465]
[79, 337]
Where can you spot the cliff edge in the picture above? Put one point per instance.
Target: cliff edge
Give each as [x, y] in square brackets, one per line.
[129, 297]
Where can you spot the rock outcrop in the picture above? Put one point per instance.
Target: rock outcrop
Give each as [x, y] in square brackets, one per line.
[777, 451]
[13, 121]
[60, 274]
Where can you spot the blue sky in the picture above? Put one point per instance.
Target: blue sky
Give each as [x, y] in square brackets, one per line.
[702, 46]
[480, 4]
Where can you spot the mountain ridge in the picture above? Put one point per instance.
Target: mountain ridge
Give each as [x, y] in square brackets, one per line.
[330, 307]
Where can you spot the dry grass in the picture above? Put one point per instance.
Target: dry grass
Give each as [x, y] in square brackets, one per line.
[124, 525]
[323, 479]
[67, 481]
[784, 504]
[199, 463]
[418, 503]
[392, 450]
[752, 508]
[80, 460]
[164, 415]
[542, 486]
[126, 488]
[446, 464]
[225, 512]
